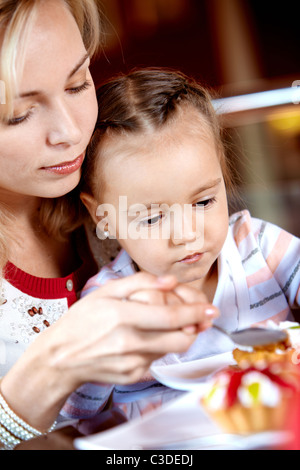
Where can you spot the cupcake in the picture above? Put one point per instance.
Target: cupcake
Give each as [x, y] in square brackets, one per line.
[285, 351]
[251, 400]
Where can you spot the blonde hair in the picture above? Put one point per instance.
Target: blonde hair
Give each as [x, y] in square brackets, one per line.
[16, 20]
[62, 215]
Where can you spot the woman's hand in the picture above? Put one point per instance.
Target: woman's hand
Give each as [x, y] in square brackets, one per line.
[115, 341]
[178, 295]
[102, 338]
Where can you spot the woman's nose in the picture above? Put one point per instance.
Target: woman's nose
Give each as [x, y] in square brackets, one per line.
[63, 127]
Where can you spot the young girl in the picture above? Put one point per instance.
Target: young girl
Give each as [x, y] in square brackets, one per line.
[158, 145]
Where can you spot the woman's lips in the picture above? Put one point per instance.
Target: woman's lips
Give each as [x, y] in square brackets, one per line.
[65, 168]
[192, 258]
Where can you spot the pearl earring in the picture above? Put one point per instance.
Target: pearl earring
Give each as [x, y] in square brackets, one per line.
[101, 233]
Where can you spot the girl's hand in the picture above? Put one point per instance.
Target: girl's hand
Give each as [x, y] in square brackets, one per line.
[178, 295]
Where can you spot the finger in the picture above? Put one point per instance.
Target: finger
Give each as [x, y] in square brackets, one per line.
[189, 294]
[123, 288]
[159, 343]
[172, 298]
[167, 317]
[149, 296]
[103, 317]
[190, 329]
[154, 296]
[195, 329]
[122, 356]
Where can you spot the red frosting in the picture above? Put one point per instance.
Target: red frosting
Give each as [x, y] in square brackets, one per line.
[235, 378]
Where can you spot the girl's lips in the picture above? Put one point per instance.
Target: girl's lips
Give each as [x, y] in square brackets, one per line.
[192, 258]
[66, 168]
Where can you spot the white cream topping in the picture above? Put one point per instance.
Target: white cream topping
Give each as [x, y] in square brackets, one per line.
[257, 388]
[216, 394]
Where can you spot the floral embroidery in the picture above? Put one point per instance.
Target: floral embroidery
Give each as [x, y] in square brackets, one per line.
[23, 316]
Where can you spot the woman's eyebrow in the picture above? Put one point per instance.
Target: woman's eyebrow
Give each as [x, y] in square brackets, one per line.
[77, 67]
[74, 70]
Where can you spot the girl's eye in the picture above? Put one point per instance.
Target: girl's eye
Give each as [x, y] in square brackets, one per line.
[80, 88]
[206, 202]
[152, 221]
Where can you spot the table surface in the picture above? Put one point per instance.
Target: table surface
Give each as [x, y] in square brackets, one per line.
[63, 439]
[57, 440]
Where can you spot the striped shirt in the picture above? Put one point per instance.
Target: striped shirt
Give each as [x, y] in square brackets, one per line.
[258, 280]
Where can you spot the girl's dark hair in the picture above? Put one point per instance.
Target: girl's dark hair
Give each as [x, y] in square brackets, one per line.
[149, 98]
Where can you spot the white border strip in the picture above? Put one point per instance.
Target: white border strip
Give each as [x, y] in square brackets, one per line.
[263, 99]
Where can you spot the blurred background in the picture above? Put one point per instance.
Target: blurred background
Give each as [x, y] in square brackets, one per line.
[237, 48]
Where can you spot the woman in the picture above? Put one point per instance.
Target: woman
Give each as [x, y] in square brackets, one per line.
[46, 124]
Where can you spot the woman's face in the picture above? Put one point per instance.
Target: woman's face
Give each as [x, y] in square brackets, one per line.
[42, 148]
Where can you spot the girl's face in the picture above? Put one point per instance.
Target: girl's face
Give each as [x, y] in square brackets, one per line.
[43, 146]
[177, 172]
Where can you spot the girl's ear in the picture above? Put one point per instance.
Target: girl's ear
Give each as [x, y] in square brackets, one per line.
[91, 204]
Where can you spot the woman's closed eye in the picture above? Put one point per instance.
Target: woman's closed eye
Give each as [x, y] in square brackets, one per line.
[19, 119]
[25, 117]
[80, 88]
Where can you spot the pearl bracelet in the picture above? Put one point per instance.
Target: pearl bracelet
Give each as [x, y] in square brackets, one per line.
[13, 429]
[7, 439]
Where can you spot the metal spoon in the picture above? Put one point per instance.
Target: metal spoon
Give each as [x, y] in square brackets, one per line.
[254, 336]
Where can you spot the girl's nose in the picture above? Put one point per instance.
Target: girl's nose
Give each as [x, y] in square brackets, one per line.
[187, 226]
[183, 237]
[63, 127]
